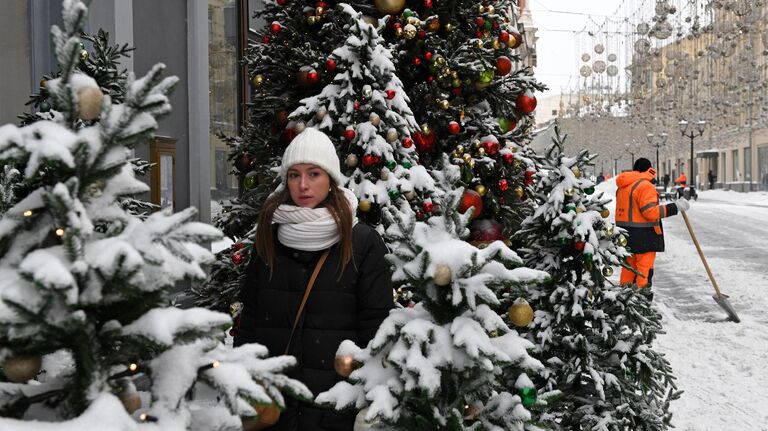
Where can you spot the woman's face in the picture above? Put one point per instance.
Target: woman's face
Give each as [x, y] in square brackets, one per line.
[308, 184]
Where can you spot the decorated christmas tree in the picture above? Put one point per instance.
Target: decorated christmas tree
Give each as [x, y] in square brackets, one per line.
[449, 362]
[595, 338]
[85, 285]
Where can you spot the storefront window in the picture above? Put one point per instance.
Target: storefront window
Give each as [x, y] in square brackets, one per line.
[223, 70]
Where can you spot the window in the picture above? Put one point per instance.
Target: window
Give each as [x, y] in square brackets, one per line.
[223, 75]
[735, 163]
[162, 152]
[747, 164]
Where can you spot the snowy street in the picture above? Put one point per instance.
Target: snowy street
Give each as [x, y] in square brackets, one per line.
[720, 365]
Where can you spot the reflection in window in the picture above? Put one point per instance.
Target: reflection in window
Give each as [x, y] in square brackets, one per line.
[166, 181]
[223, 69]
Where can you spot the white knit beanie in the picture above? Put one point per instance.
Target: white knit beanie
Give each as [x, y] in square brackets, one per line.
[312, 146]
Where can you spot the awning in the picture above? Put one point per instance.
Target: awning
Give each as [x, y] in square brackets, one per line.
[707, 154]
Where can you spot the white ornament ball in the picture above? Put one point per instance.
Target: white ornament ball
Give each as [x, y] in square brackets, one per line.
[352, 160]
[321, 112]
[89, 103]
[22, 369]
[300, 127]
[442, 275]
[374, 119]
[392, 135]
[367, 91]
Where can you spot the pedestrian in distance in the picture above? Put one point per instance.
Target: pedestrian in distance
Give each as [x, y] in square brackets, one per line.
[307, 225]
[711, 178]
[638, 211]
[600, 178]
[666, 179]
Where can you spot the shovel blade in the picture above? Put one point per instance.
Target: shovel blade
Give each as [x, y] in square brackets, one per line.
[722, 301]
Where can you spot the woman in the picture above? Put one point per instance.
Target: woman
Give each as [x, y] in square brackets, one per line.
[351, 296]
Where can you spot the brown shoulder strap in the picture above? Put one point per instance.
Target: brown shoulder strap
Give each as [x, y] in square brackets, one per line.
[311, 283]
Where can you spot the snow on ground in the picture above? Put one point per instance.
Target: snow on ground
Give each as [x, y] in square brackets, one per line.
[720, 365]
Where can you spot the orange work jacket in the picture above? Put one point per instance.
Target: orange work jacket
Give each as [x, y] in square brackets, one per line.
[682, 179]
[638, 211]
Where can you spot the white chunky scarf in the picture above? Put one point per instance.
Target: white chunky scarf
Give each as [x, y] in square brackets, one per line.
[310, 229]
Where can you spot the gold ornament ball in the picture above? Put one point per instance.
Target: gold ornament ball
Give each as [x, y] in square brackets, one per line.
[364, 205]
[496, 44]
[481, 152]
[312, 20]
[131, 401]
[425, 129]
[467, 158]
[490, 10]
[352, 160]
[520, 313]
[409, 31]
[459, 149]
[390, 7]
[374, 119]
[449, 27]
[481, 189]
[410, 194]
[621, 241]
[399, 32]
[391, 135]
[257, 80]
[442, 275]
[576, 171]
[89, 102]
[568, 192]
[605, 213]
[608, 229]
[384, 174]
[319, 11]
[22, 369]
[519, 192]
[83, 55]
[607, 271]
[477, 144]
[344, 365]
[444, 104]
[412, 20]
[480, 9]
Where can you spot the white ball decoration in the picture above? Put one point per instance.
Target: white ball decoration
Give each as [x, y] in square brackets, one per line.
[89, 102]
[442, 275]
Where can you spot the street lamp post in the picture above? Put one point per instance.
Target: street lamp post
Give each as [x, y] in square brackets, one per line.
[631, 153]
[616, 165]
[692, 133]
[657, 144]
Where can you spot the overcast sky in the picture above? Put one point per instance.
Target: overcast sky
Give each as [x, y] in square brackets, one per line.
[557, 21]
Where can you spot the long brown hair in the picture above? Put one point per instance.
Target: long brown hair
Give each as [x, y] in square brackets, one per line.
[336, 203]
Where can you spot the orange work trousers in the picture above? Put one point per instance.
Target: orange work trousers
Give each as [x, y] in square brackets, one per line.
[642, 263]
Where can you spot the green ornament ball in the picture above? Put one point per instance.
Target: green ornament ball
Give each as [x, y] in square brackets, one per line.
[487, 76]
[394, 194]
[504, 124]
[527, 396]
[589, 190]
[570, 208]
[407, 13]
[406, 165]
[44, 106]
[562, 240]
[391, 165]
[588, 257]
[250, 181]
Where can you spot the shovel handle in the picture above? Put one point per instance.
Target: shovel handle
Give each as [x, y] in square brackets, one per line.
[701, 253]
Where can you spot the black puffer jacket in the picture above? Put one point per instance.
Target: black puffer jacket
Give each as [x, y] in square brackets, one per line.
[351, 308]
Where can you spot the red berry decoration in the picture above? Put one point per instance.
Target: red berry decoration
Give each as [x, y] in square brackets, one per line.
[427, 4]
[390, 94]
[265, 39]
[579, 245]
[428, 55]
[237, 258]
[503, 185]
[416, 61]
[503, 37]
[369, 160]
[528, 178]
[470, 199]
[478, 34]
[430, 78]
[243, 163]
[349, 134]
[407, 142]
[238, 246]
[419, 215]
[503, 65]
[454, 128]
[357, 106]
[525, 103]
[479, 21]
[428, 206]
[275, 28]
[330, 65]
[508, 158]
[518, 39]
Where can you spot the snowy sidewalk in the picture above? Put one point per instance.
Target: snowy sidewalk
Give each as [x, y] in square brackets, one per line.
[720, 365]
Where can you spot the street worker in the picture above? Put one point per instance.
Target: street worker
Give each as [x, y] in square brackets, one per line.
[639, 213]
[682, 179]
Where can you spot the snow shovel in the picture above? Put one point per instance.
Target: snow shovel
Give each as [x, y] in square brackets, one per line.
[720, 298]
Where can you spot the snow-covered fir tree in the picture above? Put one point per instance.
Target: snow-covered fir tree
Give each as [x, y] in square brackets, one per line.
[449, 362]
[85, 285]
[594, 338]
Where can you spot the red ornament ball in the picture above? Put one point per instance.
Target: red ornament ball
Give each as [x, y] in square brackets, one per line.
[518, 39]
[416, 61]
[265, 39]
[422, 34]
[349, 134]
[428, 206]
[508, 158]
[478, 34]
[275, 28]
[238, 258]
[454, 128]
[390, 94]
[428, 55]
[419, 215]
[486, 230]
[243, 163]
[369, 160]
[528, 178]
[579, 245]
[503, 65]
[491, 147]
[424, 142]
[357, 106]
[470, 199]
[427, 4]
[479, 21]
[503, 37]
[313, 77]
[330, 65]
[525, 103]
[407, 142]
[238, 246]
[503, 185]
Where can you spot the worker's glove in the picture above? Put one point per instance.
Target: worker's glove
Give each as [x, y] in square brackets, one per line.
[682, 204]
